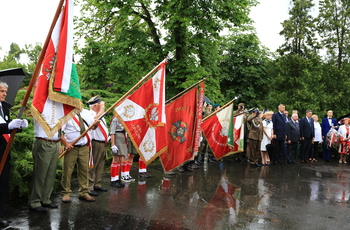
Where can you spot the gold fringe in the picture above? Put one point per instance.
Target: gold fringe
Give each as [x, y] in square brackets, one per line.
[134, 143]
[50, 132]
[64, 99]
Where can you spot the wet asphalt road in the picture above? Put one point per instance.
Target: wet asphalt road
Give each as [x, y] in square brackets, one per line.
[220, 195]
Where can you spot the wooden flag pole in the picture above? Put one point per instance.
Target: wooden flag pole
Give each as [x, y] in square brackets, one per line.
[108, 110]
[74, 142]
[31, 84]
[185, 91]
[215, 112]
[133, 88]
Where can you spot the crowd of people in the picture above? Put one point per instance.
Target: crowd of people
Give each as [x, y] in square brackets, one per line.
[269, 138]
[279, 139]
[84, 150]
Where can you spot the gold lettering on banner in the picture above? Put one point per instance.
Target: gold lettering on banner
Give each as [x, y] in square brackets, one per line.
[53, 112]
[74, 84]
[156, 84]
[181, 108]
[137, 130]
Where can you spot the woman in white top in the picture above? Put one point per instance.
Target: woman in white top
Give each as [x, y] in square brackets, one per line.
[344, 132]
[317, 139]
[267, 137]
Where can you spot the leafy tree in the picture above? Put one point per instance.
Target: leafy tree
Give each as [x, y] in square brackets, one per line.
[125, 39]
[299, 29]
[333, 27]
[244, 68]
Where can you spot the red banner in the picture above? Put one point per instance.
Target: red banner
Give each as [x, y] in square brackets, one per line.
[181, 117]
[199, 119]
[216, 130]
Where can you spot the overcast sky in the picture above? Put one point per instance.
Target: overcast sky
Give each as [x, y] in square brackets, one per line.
[28, 21]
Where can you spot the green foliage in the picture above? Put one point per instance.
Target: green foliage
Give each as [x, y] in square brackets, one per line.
[333, 27]
[124, 40]
[243, 69]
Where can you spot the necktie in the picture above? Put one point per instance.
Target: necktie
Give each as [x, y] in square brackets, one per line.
[81, 123]
[1, 112]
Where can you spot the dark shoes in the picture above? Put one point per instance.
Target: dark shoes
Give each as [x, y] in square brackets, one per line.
[144, 175]
[117, 184]
[101, 189]
[277, 163]
[180, 169]
[3, 223]
[40, 209]
[170, 173]
[51, 205]
[187, 168]
[93, 193]
[87, 198]
[255, 165]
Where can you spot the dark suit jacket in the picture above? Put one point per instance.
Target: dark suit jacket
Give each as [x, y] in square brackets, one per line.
[279, 125]
[326, 127]
[4, 127]
[306, 130]
[293, 131]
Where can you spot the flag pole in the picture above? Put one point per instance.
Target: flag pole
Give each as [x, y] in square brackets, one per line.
[133, 88]
[31, 85]
[215, 112]
[120, 99]
[185, 91]
[74, 142]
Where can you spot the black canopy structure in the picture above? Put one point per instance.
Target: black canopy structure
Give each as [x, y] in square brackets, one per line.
[13, 78]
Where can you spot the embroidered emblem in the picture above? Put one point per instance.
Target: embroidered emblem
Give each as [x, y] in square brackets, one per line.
[148, 146]
[152, 115]
[179, 131]
[129, 111]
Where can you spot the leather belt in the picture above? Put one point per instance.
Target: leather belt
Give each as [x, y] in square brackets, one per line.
[79, 146]
[43, 139]
[98, 141]
[120, 131]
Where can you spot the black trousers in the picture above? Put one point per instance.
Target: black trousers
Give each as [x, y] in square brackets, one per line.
[4, 182]
[305, 148]
[292, 149]
[279, 150]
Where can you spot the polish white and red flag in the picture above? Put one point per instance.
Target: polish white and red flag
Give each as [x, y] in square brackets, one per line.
[57, 94]
[216, 129]
[143, 116]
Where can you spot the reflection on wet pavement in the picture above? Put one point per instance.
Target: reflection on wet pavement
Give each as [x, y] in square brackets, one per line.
[221, 195]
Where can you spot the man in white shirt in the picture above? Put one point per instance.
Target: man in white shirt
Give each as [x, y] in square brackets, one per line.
[100, 138]
[45, 155]
[77, 154]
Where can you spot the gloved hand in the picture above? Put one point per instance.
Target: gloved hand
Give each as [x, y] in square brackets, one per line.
[200, 139]
[24, 124]
[15, 124]
[114, 149]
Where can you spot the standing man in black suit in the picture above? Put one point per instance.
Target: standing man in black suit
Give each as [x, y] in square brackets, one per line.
[293, 137]
[327, 123]
[279, 130]
[6, 126]
[307, 134]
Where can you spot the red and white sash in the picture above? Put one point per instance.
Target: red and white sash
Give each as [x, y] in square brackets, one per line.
[91, 161]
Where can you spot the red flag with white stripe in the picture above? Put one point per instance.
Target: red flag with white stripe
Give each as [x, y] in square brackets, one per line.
[57, 95]
[143, 116]
[216, 129]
